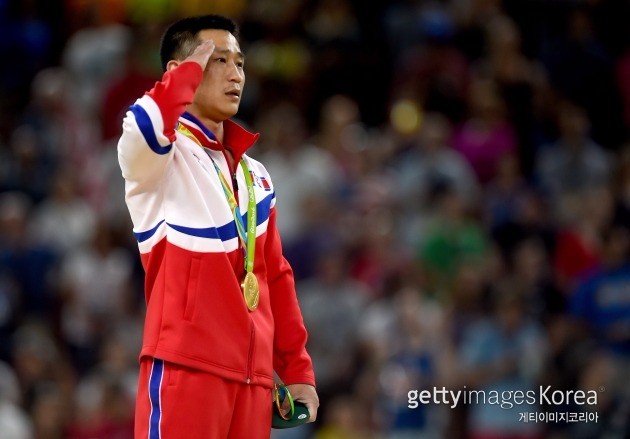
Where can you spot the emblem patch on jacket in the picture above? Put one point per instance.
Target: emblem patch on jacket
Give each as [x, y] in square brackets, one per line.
[261, 182]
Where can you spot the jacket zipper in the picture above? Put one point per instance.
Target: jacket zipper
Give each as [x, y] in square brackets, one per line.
[235, 186]
[251, 351]
[232, 169]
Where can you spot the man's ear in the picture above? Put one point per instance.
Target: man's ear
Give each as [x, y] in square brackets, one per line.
[172, 64]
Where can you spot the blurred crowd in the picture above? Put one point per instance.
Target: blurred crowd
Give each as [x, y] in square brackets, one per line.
[453, 185]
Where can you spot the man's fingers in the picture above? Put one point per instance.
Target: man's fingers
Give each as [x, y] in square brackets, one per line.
[202, 53]
[206, 45]
[286, 406]
[312, 410]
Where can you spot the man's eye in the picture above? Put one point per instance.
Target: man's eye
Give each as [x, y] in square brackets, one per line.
[240, 64]
[221, 60]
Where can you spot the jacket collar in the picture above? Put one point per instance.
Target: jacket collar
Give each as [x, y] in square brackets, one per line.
[236, 139]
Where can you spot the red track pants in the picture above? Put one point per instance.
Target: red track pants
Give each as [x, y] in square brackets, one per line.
[176, 402]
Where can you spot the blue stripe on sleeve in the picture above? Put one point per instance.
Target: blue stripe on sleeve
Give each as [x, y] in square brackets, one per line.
[143, 236]
[146, 128]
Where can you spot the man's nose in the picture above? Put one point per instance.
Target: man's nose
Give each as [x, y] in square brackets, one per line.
[235, 74]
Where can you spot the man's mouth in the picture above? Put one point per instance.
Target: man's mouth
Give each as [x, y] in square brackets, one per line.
[234, 93]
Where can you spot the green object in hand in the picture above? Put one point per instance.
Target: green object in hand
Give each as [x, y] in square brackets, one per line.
[298, 413]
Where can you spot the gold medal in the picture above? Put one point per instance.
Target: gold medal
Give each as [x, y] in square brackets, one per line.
[251, 291]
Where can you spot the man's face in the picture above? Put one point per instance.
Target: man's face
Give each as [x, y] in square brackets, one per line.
[219, 94]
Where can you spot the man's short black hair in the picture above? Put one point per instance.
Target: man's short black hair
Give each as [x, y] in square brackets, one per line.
[180, 38]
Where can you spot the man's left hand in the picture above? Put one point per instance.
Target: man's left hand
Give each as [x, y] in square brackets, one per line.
[305, 393]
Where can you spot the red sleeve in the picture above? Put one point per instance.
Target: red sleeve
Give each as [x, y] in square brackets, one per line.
[175, 92]
[291, 361]
[145, 146]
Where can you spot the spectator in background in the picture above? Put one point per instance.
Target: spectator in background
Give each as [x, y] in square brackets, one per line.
[486, 134]
[334, 335]
[581, 69]
[138, 74]
[621, 187]
[602, 371]
[321, 222]
[62, 129]
[103, 409]
[101, 186]
[601, 300]
[574, 162]
[427, 162]
[337, 32]
[277, 58]
[95, 285]
[466, 299]
[505, 194]
[50, 130]
[344, 419]
[600, 306]
[342, 134]
[532, 276]
[26, 28]
[622, 77]
[418, 356]
[521, 81]
[429, 68]
[51, 409]
[300, 169]
[14, 422]
[26, 167]
[472, 18]
[504, 352]
[579, 239]
[452, 237]
[28, 265]
[430, 160]
[46, 379]
[63, 221]
[94, 55]
[375, 262]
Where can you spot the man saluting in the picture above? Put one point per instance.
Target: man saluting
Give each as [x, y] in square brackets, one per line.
[222, 313]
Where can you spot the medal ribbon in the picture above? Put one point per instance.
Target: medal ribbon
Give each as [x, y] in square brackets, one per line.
[247, 236]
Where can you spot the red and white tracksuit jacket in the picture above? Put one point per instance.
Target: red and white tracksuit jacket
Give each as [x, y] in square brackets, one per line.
[196, 315]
